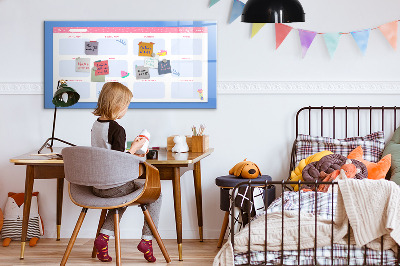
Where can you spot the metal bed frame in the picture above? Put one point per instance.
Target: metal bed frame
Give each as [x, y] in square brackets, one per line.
[283, 184]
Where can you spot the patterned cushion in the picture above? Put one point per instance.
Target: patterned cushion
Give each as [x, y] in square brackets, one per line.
[372, 144]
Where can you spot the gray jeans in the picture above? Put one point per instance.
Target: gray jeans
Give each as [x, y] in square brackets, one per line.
[154, 208]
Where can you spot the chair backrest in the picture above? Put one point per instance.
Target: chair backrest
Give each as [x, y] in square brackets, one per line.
[92, 166]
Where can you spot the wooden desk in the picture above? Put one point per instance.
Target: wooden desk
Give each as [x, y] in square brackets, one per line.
[171, 167]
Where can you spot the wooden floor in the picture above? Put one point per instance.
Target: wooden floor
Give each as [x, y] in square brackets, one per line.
[50, 252]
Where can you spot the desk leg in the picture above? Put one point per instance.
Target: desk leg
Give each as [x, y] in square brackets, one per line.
[27, 206]
[176, 183]
[199, 204]
[60, 190]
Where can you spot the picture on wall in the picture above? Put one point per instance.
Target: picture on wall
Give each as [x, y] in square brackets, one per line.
[166, 64]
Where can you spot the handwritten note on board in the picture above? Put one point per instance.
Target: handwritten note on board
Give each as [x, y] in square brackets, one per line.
[164, 67]
[145, 48]
[101, 67]
[82, 64]
[151, 62]
[99, 78]
[91, 48]
[142, 72]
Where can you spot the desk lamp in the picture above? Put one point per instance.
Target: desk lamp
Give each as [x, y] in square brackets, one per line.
[64, 97]
[273, 11]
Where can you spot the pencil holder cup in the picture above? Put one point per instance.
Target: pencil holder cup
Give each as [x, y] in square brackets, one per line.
[152, 155]
[200, 143]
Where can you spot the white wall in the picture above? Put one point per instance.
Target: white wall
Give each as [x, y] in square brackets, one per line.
[257, 127]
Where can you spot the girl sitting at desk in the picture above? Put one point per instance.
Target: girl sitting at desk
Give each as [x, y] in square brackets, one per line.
[106, 133]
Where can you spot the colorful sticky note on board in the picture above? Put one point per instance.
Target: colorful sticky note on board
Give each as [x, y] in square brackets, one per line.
[146, 48]
[124, 74]
[142, 72]
[164, 67]
[99, 78]
[82, 64]
[92, 48]
[101, 67]
[162, 53]
[151, 62]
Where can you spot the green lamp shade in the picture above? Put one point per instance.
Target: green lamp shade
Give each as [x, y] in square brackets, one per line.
[65, 96]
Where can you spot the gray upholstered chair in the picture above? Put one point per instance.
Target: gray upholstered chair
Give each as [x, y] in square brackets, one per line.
[85, 167]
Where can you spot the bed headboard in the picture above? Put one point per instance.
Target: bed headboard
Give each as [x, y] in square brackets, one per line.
[344, 121]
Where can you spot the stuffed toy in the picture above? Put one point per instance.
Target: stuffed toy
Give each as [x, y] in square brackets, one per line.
[296, 174]
[13, 215]
[180, 144]
[245, 169]
[375, 170]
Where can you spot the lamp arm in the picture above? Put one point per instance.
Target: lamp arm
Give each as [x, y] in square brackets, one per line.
[54, 126]
[46, 143]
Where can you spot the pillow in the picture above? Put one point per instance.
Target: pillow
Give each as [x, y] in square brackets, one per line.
[296, 174]
[372, 144]
[393, 148]
[375, 170]
[329, 164]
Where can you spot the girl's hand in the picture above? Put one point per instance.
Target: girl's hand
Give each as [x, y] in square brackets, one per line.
[137, 144]
[143, 155]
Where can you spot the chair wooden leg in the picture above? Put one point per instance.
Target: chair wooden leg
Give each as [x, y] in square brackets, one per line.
[223, 229]
[73, 237]
[154, 230]
[101, 222]
[117, 239]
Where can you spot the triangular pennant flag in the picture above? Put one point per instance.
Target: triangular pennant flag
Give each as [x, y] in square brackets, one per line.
[281, 31]
[306, 39]
[213, 2]
[390, 32]
[237, 9]
[361, 37]
[332, 41]
[255, 28]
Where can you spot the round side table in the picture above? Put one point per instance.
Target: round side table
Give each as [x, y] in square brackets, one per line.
[228, 182]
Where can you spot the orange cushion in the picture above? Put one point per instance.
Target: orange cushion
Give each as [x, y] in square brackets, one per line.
[375, 170]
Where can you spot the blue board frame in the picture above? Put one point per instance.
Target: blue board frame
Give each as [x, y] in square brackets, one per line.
[212, 61]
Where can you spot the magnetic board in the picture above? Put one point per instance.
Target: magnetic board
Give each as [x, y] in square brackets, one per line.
[166, 64]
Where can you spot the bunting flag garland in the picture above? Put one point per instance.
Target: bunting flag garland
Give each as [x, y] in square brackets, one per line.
[237, 8]
[306, 39]
[256, 27]
[389, 30]
[281, 31]
[332, 41]
[361, 38]
[213, 2]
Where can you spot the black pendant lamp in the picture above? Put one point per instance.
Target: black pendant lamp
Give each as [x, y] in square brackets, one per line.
[273, 11]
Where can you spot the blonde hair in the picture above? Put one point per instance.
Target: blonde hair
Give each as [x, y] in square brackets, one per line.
[113, 97]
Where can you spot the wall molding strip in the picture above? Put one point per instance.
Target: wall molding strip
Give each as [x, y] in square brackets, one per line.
[258, 87]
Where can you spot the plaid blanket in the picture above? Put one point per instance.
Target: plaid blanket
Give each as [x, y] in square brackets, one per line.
[322, 204]
[324, 257]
